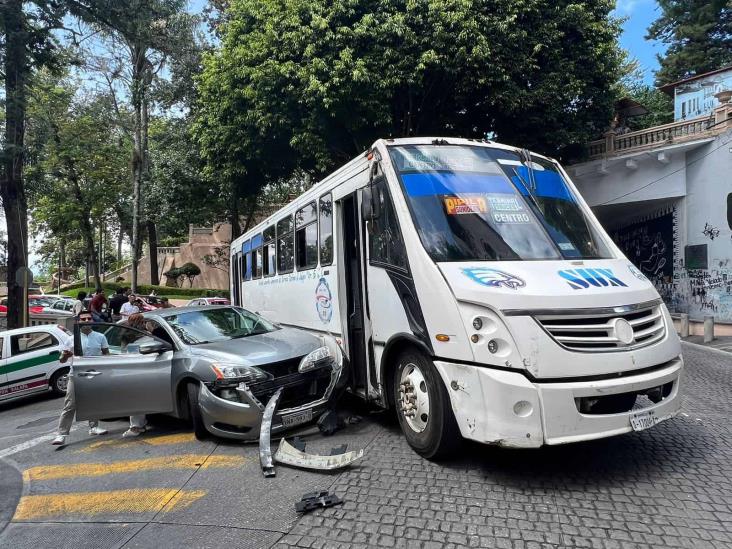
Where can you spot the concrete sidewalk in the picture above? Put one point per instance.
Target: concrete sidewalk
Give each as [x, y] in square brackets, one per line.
[721, 343]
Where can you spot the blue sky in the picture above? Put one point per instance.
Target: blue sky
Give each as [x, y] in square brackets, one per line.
[640, 14]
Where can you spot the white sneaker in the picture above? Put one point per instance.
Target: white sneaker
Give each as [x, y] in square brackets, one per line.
[59, 440]
[97, 431]
[133, 432]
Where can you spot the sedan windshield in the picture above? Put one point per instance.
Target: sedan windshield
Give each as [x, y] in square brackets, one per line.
[481, 203]
[206, 326]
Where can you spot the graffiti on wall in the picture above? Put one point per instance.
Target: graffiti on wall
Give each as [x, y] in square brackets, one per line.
[649, 244]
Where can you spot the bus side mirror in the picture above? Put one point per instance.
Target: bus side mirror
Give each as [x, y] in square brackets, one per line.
[370, 205]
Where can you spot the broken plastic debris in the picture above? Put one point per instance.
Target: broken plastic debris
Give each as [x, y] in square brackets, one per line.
[265, 451]
[292, 456]
[313, 500]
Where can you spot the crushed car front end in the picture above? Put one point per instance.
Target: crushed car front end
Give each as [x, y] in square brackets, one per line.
[232, 404]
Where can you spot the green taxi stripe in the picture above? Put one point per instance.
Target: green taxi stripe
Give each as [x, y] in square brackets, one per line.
[29, 362]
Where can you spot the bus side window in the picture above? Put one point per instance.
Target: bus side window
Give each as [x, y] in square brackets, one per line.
[306, 237]
[257, 256]
[246, 249]
[269, 266]
[285, 246]
[326, 229]
[386, 245]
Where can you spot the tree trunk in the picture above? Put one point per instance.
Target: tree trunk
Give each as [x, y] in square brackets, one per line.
[234, 212]
[12, 190]
[138, 152]
[251, 210]
[152, 247]
[120, 236]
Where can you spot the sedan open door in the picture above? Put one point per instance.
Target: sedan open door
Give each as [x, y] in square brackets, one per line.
[133, 379]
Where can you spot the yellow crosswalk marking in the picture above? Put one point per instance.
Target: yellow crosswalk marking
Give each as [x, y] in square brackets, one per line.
[177, 438]
[147, 500]
[185, 461]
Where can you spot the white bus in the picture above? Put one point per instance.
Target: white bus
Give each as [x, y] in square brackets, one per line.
[473, 291]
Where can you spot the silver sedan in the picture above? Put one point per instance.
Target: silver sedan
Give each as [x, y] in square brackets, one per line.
[216, 366]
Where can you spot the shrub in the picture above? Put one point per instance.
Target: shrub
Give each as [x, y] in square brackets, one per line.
[190, 271]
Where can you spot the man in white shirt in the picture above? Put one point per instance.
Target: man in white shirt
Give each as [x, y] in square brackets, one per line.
[128, 308]
[79, 304]
[92, 344]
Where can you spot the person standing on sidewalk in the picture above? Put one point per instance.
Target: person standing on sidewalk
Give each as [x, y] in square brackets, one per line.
[79, 304]
[92, 344]
[129, 308]
[116, 303]
[97, 305]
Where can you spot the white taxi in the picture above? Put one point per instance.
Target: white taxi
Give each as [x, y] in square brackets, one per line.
[29, 361]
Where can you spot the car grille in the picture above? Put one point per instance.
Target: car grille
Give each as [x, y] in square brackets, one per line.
[596, 331]
[299, 388]
[282, 368]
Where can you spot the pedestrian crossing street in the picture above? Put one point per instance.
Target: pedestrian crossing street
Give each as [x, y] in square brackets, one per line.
[72, 491]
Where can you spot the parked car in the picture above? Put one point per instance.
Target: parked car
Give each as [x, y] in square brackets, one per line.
[208, 301]
[66, 305]
[150, 302]
[33, 308]
[216, 366]
[29, 361]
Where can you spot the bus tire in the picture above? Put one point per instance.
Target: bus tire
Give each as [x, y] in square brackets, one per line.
[423, 407]
[194, 412]
[59, 382]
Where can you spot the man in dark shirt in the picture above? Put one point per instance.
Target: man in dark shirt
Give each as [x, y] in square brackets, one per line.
[116, 303]
[96, 305]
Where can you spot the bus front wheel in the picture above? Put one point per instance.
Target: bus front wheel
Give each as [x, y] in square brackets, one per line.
[423, 407]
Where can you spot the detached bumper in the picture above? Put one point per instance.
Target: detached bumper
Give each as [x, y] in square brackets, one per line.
[505, 408]
[241, 419]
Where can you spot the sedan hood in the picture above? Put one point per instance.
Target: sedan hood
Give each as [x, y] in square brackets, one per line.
[262, 349]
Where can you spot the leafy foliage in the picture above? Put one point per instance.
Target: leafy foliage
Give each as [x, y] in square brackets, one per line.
[698, 34]
[316, 81]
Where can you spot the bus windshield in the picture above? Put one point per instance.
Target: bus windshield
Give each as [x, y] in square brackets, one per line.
[479, 203]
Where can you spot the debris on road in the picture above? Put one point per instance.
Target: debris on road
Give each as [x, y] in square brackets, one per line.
[314, 500]
[289, 455]
[265, 451]
[330, 422]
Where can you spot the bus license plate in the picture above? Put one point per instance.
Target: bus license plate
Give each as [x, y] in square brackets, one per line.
[297, 419]
[644, 420]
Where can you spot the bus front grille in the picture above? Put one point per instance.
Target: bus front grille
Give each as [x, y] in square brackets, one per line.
[600, 332]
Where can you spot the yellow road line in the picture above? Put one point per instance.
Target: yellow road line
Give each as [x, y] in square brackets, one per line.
[178, 438]
[185, 461]
[147, 500]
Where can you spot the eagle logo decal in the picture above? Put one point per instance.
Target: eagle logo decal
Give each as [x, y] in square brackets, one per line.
[494, 278]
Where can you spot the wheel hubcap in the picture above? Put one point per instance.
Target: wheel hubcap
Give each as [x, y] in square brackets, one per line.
[62, 383]
[414, 400]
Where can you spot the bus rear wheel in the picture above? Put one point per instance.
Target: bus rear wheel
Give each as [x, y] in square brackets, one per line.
[423, 407]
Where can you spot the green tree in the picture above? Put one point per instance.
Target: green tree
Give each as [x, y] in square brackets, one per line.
[79, 164]
[147, 33]
[698, 34]
[310, 84]
[27, 42]
[190, 271]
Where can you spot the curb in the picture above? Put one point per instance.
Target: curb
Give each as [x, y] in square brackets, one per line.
[728, 354]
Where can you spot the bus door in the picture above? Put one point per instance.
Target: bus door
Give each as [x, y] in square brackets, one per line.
[352, 260]
[391, 298]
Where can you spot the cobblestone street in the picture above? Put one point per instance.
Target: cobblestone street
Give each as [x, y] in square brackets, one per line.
[666, 487]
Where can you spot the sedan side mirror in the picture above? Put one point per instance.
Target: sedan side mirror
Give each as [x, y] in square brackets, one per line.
[155, 347]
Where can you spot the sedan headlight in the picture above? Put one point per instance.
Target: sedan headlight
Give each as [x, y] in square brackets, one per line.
[327, 355]
[239, 372]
